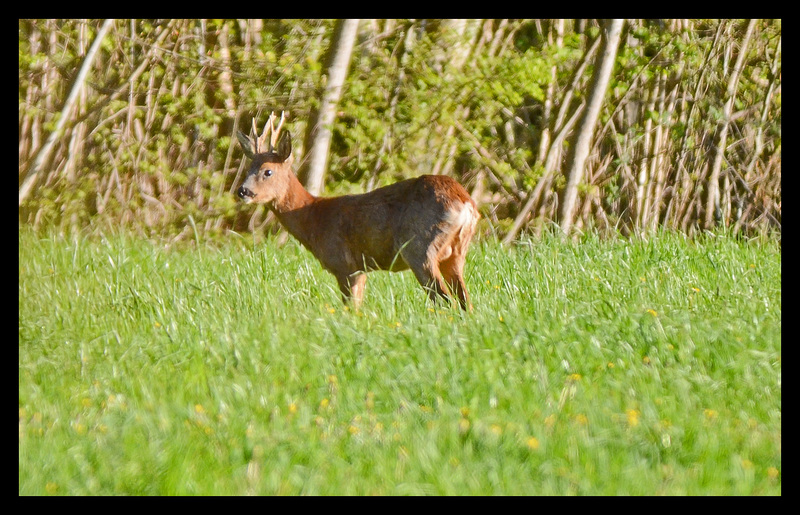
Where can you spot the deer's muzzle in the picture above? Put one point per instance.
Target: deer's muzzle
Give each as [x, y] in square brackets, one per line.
[245, 194]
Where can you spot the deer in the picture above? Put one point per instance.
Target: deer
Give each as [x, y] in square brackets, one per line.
[424, 224]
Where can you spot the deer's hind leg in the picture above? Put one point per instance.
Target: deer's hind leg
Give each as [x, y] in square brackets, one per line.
[452, 270]
[432, 281]
[452, 257]
[422, 259]
[438, 266]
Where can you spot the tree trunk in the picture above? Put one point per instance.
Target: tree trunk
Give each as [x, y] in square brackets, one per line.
[583, 137]
[553, 152]
[44, 153]
[318, 136]
[712, 201]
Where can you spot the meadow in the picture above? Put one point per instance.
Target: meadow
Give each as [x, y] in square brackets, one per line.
[597, 367]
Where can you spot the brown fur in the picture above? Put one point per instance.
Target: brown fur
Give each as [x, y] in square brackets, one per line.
[424, 224]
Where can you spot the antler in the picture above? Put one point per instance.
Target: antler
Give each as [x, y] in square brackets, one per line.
[275, 131]
[269, 129]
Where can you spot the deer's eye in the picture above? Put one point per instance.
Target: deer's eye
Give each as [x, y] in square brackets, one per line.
[267, 173]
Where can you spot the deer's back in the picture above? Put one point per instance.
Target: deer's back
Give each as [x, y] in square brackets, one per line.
[374, 226]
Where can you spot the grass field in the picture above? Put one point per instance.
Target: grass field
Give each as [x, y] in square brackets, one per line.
[598, 367]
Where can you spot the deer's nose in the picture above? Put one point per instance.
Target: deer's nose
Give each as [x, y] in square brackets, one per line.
[245, 193]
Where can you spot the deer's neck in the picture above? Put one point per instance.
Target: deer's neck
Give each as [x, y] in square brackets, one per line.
[296, 197]
[294, 209]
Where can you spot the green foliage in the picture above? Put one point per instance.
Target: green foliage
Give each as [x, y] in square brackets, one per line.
[606, 367]
[155, 117]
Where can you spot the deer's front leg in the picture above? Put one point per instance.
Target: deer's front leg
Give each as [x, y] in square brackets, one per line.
[352, 288]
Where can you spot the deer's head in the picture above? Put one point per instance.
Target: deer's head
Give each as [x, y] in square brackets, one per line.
[270, 174]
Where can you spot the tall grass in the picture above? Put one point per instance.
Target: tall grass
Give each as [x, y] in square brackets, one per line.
[599, 367]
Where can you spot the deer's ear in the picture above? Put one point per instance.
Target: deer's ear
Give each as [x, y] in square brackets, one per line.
[247, 144]
[285, 147]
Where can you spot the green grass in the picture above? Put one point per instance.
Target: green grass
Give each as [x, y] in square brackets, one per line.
[598, 367]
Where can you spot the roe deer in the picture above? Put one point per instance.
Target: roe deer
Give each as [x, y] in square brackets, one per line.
[424, 224]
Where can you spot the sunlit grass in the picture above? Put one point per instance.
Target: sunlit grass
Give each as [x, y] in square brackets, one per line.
[599, 367]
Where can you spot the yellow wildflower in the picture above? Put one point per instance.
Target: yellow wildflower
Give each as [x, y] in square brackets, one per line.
[532, 443]
[333, 382]
[633, 417]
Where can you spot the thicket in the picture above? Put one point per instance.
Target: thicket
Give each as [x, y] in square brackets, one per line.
[689, 135]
